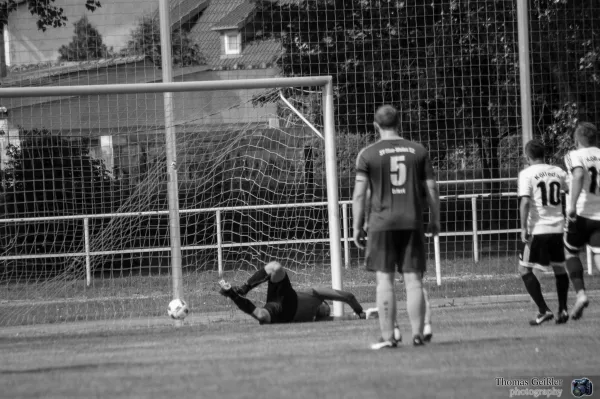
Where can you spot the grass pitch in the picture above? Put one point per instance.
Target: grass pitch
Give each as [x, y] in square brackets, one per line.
[472, 346]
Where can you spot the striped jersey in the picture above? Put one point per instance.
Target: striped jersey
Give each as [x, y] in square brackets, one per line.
[588, 203]
[543, 183]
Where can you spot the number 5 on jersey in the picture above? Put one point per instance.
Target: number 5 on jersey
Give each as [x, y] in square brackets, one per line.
[398, 170]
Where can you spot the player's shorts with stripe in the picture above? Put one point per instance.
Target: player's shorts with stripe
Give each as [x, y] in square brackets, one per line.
[282, 301]
[543, 251]
[581, 232]
[401, 250]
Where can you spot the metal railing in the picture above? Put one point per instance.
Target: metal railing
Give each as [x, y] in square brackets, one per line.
[220, 245]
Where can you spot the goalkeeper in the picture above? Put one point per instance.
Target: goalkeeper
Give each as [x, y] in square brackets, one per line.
[284, 304]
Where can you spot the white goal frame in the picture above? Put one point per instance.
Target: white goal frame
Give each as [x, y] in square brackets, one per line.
[324, 82]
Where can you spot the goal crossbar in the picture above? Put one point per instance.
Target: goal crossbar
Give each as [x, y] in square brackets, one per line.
[169, 87]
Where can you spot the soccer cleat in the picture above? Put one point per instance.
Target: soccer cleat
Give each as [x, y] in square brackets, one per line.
[418, 340]
[385, 344]
[397, 334]
[541, 318]
[580, 304]
[563, 317]
[427, 333]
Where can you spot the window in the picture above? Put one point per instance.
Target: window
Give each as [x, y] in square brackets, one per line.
[233, 43]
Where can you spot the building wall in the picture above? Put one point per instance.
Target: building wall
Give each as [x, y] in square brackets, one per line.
[138, 114]
[114, 20]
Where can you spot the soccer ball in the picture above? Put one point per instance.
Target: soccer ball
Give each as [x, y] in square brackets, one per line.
[178, 309]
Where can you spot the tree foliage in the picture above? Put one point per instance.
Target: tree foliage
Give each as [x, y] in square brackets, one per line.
[444, 64]
[565, 50]
[145, 40]
[450, 66]
[86, 44]
[48, 14]
[47, 176]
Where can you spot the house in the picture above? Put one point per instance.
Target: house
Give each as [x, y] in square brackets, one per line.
[123, 127]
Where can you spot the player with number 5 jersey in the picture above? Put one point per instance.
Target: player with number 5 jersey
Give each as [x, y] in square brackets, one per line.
[583, 208]
[400, 176]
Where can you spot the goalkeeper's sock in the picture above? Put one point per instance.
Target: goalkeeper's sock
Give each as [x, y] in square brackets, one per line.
[534, 288]
[562, 289]
[575, 270]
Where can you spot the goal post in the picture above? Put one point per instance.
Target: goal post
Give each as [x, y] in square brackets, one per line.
[96, 231]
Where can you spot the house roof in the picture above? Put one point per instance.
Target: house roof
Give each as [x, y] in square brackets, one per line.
[237, 18]
[255, 53]
[181, 11]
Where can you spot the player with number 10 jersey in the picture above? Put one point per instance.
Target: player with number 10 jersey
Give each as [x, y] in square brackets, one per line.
[543, 184]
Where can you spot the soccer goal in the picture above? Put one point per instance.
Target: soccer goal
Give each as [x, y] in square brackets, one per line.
[117, 198]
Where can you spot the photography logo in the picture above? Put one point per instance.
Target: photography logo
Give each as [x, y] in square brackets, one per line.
[582, 387]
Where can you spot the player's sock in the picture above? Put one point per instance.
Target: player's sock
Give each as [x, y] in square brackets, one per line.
[534, 289]
[415, 305]
[427, 332]
[259, 277]
[562, 289]
[386, 303]
[575, 270]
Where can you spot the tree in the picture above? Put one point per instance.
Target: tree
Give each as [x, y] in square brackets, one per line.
[48, 175]
[145, 40]
[86, 44]
[450, 66]
[566, 69]
[47, 13]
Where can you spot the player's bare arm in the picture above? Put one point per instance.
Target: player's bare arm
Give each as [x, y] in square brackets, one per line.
[358, 210]
[576, 187]
[524, 214]
[433, 199]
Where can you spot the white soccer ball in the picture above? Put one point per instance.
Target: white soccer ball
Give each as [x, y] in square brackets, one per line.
[178, 309]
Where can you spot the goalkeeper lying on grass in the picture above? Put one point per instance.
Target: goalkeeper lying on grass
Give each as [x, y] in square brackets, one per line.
[284, 304]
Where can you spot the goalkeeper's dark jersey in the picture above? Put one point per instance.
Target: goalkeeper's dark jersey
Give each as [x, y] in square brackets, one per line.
[396, 170]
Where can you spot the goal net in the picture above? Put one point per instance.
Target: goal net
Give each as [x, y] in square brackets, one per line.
[85, 210]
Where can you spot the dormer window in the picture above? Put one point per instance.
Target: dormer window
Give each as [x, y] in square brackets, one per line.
[233, 43]
[230, 29]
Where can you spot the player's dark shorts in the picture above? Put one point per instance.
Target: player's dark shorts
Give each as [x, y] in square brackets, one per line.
[581, 232]
[282, 301]
[543, 251]
[402, 250]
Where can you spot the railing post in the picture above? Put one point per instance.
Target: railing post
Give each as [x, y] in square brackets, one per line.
[346, 244]
[438, 262]
[475, 232]
[86, 238]
[590, 259]
[219, 244]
